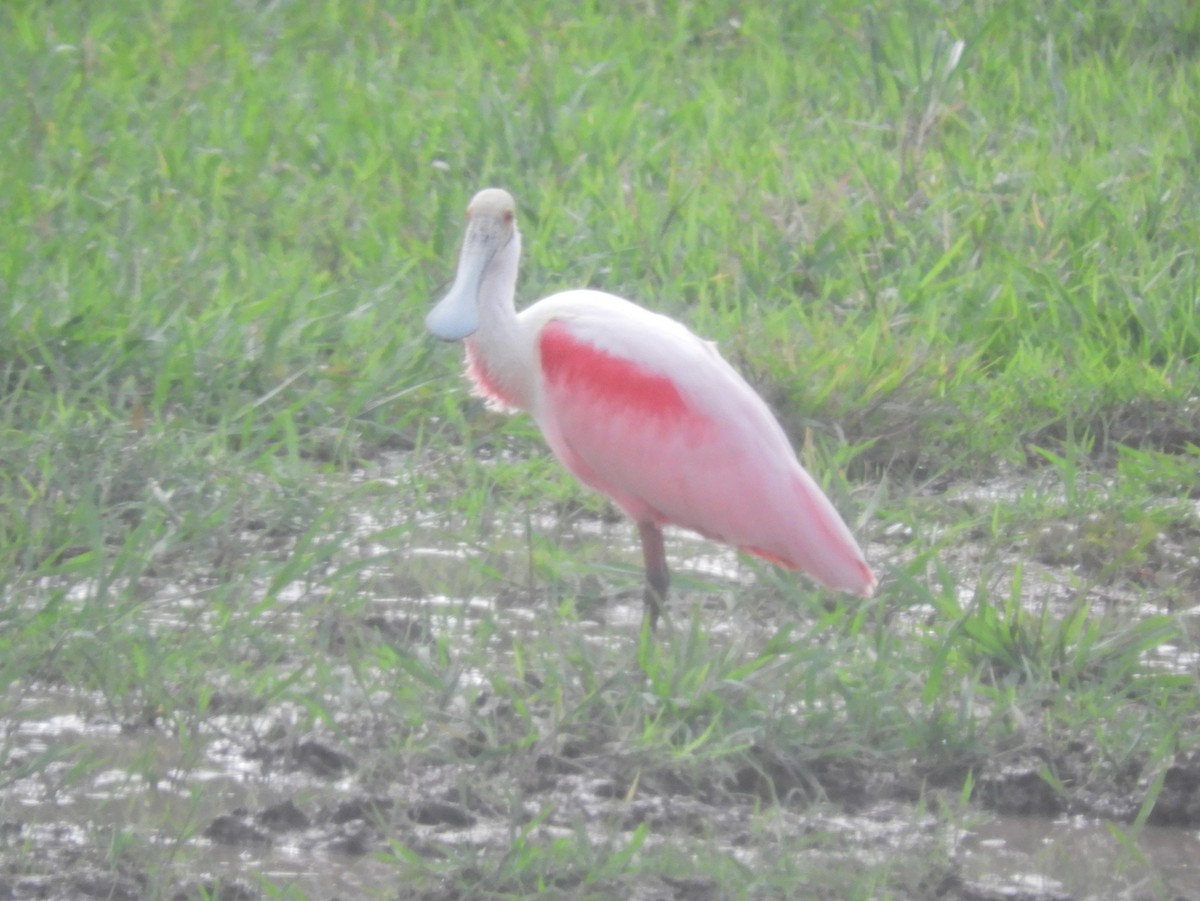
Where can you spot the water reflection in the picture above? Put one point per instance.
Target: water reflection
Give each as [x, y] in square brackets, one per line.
[1080, 857]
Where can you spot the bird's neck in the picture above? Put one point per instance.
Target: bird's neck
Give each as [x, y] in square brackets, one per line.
[500, 355]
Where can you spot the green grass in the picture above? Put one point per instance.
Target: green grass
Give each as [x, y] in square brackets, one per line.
[953, 245]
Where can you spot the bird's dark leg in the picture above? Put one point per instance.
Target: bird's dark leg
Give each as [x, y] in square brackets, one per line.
[657, 575]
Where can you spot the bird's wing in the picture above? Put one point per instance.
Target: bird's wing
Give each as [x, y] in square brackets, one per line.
[644, 411]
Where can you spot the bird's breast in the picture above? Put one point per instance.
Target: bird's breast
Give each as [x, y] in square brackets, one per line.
[492, 382]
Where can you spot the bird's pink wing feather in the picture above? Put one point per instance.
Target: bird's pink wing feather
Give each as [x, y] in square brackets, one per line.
[647, 413]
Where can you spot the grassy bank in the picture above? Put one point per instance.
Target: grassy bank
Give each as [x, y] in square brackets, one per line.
[955, 248]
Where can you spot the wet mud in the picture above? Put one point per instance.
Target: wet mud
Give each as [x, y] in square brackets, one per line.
[325, 817]
[258, 806]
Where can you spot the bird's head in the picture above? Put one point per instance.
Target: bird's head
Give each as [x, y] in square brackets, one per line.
[491, 226]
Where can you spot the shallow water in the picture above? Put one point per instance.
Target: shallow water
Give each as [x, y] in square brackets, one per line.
[1081, 857]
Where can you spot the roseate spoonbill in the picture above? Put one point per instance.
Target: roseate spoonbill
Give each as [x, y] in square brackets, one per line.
[642, 410]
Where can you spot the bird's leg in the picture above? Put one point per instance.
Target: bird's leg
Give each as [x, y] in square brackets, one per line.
[657, 575]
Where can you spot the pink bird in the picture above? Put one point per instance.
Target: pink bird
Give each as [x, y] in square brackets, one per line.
[641, 409]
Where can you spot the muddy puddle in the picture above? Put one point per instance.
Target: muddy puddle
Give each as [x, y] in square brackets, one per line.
[253, 800]
[1078, 857]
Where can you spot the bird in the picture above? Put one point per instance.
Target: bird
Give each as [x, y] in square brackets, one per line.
[641, 409]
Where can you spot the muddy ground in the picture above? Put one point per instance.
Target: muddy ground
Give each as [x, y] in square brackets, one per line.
[320, 816]
[253, 802]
